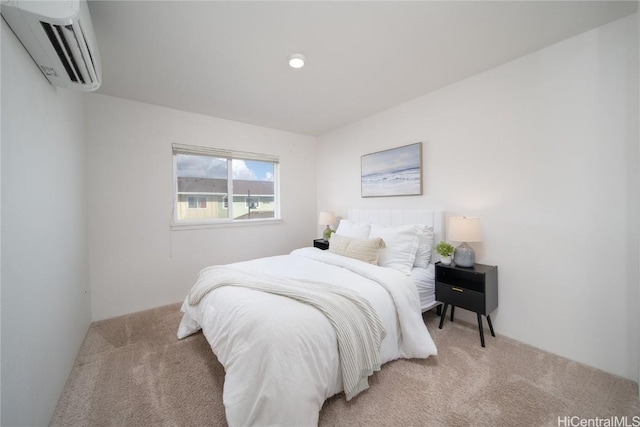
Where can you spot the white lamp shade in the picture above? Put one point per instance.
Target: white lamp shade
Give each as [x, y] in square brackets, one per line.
[327, 218]
[464, 229]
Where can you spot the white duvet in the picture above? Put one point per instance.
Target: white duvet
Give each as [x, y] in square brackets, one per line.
[280, 355]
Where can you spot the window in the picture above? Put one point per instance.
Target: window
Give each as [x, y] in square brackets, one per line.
[213, 186]
[197, 202]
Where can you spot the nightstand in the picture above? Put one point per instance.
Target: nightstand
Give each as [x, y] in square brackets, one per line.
[472, 288]
[321, 244]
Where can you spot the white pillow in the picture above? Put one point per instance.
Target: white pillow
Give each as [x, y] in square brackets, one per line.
[359, 230]
[425, 246]
[363, 249]
[401, 246]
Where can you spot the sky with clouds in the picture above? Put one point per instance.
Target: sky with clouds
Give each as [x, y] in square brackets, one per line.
[212, 167]
[397, 159]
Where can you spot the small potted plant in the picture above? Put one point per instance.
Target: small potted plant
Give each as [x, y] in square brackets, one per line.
[446, 252]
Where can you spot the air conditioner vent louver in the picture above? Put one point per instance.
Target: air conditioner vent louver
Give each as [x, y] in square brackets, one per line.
[59, 37]
[55, 37]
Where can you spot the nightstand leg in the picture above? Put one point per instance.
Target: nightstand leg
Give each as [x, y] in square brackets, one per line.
[453, 307]
[480, 329]
[443, 315]
[490, 326]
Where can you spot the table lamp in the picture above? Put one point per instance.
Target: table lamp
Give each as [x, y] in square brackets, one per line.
[327, 218]
[464, 229]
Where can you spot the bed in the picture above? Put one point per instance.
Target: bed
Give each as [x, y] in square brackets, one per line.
[293, 330]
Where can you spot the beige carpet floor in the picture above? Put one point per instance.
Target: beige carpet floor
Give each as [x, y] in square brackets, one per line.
[133, 371]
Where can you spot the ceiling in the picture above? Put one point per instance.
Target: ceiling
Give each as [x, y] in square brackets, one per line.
[229, 59]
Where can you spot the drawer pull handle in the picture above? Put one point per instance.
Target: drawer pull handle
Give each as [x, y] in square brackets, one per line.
[457, 289]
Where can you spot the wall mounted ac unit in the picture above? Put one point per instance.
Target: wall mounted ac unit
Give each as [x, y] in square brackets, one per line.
[59, 37]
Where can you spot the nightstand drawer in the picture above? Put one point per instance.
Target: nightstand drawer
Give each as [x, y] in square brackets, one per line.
[471, 280]
[460, 297]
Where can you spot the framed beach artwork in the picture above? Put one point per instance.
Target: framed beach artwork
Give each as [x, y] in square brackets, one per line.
[394, 172]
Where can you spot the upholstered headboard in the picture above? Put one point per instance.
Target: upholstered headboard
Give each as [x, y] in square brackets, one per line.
[394, 217]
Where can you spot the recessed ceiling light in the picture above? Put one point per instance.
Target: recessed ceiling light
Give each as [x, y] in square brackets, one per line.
[296, 60]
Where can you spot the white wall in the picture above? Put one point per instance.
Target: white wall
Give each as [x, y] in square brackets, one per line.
[45, 300]
[0, 250]
[544, 150]
[637, 225]
[136, 261]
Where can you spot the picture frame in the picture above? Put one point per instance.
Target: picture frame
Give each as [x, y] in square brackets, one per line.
[393, 172]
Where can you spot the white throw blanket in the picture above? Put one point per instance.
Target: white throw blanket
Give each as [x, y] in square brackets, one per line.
[358, 327]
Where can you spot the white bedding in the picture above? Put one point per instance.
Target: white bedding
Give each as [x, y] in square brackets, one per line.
[424, 279]
[280, 355]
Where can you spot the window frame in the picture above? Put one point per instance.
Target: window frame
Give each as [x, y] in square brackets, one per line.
[229, 155]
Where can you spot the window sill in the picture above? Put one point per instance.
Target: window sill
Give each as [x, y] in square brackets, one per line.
[185, 226]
